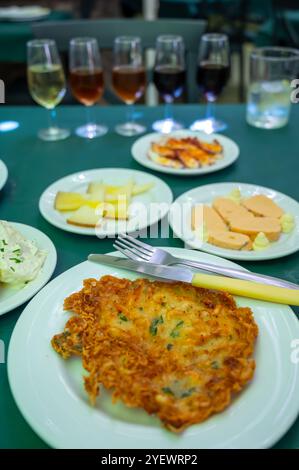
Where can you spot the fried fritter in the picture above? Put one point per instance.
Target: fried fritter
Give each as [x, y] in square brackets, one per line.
[178, 351]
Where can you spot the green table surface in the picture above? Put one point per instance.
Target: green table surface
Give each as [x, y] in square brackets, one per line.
[269, 158]
[14, 35]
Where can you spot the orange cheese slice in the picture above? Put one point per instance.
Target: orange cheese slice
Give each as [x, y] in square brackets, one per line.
[261, 205]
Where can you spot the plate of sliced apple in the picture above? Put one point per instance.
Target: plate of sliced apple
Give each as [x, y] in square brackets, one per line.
[105, 202]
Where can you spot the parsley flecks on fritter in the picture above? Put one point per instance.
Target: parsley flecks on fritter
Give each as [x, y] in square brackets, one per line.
[177, 351]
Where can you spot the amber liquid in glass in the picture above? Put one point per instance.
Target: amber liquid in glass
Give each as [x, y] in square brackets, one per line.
[87, 86]
[128, 83]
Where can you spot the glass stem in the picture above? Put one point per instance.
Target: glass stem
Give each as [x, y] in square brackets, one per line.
[52, 119]
[130, 113]
[210, 111]
[89, 115]
[168, 110]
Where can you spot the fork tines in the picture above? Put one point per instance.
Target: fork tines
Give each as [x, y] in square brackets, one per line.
[133, 248]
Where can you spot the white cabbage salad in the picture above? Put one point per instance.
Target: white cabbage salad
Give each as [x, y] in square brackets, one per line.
[20, 259]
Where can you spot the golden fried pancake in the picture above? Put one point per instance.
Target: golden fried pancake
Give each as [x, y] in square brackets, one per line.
[177, 351]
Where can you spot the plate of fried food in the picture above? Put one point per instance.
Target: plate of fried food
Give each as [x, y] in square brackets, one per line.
[107, 201]
[27, 261]
[3, 174]
[185, 152]
[125, 361]
[237, 221]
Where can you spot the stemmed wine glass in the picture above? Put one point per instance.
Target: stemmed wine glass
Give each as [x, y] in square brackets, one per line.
[87, 83]
[212, 75]
[169, 77]
[46, 83]
[128, 80]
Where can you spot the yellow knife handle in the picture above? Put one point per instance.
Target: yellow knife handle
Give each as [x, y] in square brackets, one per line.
[254, 290]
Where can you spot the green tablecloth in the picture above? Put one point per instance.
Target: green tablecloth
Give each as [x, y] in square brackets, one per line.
[14, 35]
[268, 158]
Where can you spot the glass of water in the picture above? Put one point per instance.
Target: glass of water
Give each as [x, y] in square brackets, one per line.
[272, 70]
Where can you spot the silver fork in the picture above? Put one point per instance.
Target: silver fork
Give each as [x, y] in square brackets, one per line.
[140, 251]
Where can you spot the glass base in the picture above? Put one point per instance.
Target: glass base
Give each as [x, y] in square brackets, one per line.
[53, 133]
[208, 126]
[267, 122]
[91, 131]
[129, 129]
[165, 126]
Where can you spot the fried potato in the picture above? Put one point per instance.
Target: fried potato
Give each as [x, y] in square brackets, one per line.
[163, 150]
[170, 162]
[186, 152]
[178, 351]
[214, 147]
[187, 159]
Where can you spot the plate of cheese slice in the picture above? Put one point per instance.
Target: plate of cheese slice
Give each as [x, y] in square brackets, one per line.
[237, 221]
[106, 201]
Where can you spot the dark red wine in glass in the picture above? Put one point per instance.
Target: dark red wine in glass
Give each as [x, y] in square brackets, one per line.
[169, 81]
[212, 78]
[169, 78]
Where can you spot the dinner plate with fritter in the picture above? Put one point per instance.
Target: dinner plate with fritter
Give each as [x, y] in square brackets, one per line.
[12, 297]
[3, 174]
[180, 220]
[145, 209]
[50, 393]
[142, 147]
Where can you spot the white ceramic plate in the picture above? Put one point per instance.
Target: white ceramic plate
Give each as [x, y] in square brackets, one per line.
[3, 174]
[287, 243]
[26, 13]
[12, 297]
[139, 219]
[141, 146]
[49, 391]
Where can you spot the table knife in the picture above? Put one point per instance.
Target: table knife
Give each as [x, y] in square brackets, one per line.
[233, 286]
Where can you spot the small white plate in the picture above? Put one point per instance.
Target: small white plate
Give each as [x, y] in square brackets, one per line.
[3, 174]
[287, 243]
[12, 297]
[160, 193]
[50, 393]
[25, 13]
[142, 145]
